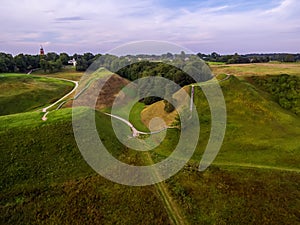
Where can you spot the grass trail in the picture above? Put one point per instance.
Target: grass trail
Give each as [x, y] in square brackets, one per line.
[172, 208]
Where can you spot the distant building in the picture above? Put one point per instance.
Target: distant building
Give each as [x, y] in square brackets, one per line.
[42, 51]
[72, 61]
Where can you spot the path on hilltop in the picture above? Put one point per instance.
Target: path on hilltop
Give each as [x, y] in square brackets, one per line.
[45, 110]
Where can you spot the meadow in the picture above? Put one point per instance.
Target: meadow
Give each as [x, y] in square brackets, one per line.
[256, 69]
[254, 179]
[23, 93]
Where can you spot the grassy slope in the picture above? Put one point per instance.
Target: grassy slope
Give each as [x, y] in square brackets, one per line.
[258, 130]
[248, 182]
[21, 93]
[45, 180]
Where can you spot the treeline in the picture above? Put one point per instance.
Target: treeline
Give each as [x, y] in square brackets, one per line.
[250, 58]
[50, 62]
[179, 71]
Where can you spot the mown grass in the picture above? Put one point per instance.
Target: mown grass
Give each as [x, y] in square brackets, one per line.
[22, 93]
[135, 116]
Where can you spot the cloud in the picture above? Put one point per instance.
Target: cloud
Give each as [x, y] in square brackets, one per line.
[71, 18]
[220, 25]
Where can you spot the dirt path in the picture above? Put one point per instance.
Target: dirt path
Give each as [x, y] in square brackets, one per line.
[45, 110]
[226, 78]
[135, 132]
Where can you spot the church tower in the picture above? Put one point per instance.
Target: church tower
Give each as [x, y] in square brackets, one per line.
[42, 51]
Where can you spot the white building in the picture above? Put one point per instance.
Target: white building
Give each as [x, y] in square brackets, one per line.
[72, 61]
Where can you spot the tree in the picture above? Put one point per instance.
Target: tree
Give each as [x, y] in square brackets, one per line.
[20, 61]
[44, 65]
[32, 61]
[64, 58]
[289, 58]
[58, 65]
[52, 56]
[182, 54]
[81, 64]
[3, 67]
[7, 63]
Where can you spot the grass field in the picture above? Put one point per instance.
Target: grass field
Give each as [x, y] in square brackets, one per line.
[22, 93]
[68, 72]
[257, 69]
[254, 179]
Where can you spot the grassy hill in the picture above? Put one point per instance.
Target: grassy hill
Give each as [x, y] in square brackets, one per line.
[259, 131]
[43, 174]
[23, 93]
[254, 179]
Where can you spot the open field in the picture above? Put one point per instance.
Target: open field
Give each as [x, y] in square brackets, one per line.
[257, 69]
[67, 73]
[22, 93]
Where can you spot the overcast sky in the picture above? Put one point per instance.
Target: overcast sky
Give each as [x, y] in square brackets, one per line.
[224, 26]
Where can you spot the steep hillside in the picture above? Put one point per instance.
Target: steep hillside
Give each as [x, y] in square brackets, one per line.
[107, 95]
[259, 130]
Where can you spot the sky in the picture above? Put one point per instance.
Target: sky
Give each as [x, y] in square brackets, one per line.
[77, 26]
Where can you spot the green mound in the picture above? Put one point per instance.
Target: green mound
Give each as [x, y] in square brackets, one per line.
[45, 180]
[259, 131]
[23, 93]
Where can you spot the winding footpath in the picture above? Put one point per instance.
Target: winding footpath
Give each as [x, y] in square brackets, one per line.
[45, 110]
[135, 132]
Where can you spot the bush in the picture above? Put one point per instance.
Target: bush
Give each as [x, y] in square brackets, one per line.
[284, 88]
[169, 107]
